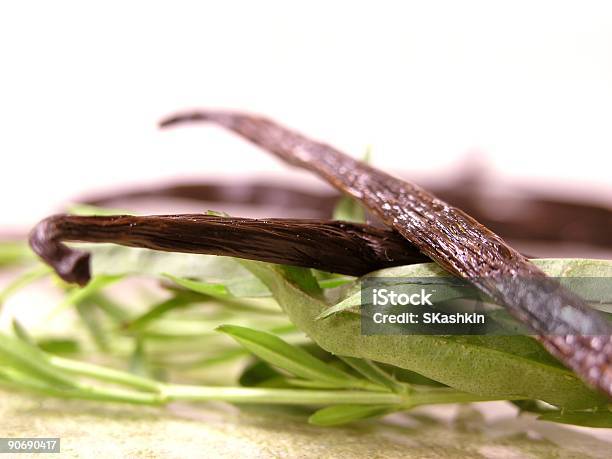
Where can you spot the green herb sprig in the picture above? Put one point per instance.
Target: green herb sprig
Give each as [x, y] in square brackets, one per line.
[217, 312]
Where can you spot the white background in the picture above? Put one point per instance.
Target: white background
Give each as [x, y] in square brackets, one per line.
[523, 86]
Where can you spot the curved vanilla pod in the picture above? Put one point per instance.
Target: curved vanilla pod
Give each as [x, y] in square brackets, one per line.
[334, 246]
[568, 328]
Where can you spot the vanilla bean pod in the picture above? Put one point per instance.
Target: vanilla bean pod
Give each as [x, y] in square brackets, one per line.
[320, 205]
[567, 327]
[334, 246]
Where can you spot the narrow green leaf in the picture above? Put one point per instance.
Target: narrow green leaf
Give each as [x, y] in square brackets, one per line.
[32, 361]
[105, 374]
[306, 383]
[350, 303]
[89, 210]
[291, 358]
[302, 277]
[350, 210]
[16, 382]
[216, 290]
[159, 310]
[336, 281]
[375, 374]
[411, 378]
[343, 414]
[588, 419]
[78, 295]
[90, 318]
[258, 373]
[216, 213]
[59, 346]
[179, 329]
[115, 311]
[21, 333]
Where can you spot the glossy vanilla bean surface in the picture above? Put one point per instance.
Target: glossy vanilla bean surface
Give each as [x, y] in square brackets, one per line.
[570, 330]
[334, 246]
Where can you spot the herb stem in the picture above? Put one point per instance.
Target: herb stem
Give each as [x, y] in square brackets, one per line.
[278, 396]
[105, 374]
[145, 391]
[168, 393]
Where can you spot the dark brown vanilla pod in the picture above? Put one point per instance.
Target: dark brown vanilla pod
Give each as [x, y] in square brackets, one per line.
[535, 218]
[321, 205]
[70, 264]
[570, 330]
[334, 246]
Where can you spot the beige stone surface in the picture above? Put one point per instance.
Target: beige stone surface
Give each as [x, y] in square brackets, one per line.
[220, 430]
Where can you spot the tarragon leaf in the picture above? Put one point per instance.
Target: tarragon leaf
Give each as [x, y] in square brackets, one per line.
[30, 360]
[215, 290]
[78, 295]
[350, 210]
[491, 366]
[601, 418]
[343, 414]
[375, 374]
[291, 358]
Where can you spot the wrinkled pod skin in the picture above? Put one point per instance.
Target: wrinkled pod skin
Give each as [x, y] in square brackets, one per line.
[568, 328]
[334, 246]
